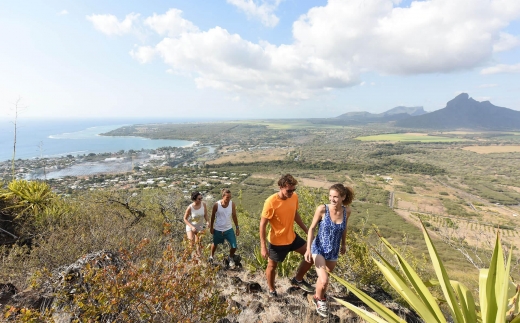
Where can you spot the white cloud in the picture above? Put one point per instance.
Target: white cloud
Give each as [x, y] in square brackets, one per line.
[333, 45]
[171, 23]
[426, 37]
[486, 86]
[263, 12]
[110, 25]
[501, 68]
[63, 12]
[506, 42]
[143, 54]
[238, 65]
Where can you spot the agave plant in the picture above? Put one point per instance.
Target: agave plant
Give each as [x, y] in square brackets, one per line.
[28, 197]
[498, 295]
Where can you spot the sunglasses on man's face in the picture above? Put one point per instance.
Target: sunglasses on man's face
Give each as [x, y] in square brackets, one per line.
[290, 191]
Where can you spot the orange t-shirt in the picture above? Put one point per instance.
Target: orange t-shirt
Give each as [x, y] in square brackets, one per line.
[280, 214]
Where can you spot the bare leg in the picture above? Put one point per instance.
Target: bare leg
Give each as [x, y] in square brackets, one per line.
[191, 238]
[213, 249]
[197, 245]
[304, 266]
[232, 252]
[270, 273]
[323, 267]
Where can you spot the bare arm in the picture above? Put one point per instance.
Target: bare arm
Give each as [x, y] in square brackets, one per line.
[205, 212]
[299, 221]
[213, 212]
[263, 226]
[320, 210]
[235, 219]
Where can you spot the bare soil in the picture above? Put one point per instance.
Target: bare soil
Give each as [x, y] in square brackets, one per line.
[251, 156]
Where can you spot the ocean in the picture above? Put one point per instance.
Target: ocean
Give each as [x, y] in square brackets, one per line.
[60, 137]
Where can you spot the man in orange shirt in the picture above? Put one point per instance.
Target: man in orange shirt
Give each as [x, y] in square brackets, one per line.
[281, 211]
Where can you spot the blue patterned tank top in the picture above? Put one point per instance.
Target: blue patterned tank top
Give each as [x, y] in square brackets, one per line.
[328, 239]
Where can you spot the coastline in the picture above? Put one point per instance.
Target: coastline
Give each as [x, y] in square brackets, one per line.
[52, 139]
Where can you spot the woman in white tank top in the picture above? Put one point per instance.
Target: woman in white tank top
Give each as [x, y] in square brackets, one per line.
[196, 219]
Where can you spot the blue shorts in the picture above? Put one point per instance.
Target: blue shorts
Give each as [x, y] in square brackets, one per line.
[229, 235]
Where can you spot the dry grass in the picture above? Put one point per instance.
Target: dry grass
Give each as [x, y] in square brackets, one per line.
[315, 183]
[492, 149]
[251, 156]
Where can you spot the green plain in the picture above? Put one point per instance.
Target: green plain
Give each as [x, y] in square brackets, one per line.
[408, 137]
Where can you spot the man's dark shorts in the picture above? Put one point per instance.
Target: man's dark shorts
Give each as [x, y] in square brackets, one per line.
[278, 253]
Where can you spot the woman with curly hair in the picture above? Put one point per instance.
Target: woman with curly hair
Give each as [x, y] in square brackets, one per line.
[330, 240]
[196, 219]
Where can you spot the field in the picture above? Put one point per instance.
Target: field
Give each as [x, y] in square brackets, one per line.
[404, 137]
[437, 177]
[492, 149]
[250, 156]
[290, 124]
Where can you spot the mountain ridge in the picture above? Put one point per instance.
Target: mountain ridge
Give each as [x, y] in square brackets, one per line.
[465, 112]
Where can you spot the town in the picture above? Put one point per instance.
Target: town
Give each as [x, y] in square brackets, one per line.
[179, 168]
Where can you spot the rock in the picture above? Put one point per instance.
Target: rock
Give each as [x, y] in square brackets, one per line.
[64, 280]
[31, 299]
[224, 320]
[256, 307]
[296, 291]
[234, 305]
[253, 287]
[236, 281]
[6, 292]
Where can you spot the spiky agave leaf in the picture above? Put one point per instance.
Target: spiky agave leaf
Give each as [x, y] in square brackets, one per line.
[379, 308]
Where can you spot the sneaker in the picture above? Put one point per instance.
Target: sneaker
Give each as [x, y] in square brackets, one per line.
[321, 306]
[231, 263]
[273, 293]
[210, 260]
[302, 285]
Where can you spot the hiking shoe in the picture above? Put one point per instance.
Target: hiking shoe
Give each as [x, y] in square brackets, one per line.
[273, 293]
[302, 285]
[321, 306]
[231, 263]
[210, 260]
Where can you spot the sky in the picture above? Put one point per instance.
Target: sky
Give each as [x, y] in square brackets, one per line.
[239, 59]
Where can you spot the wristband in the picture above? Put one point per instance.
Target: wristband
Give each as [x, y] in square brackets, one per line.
[237, 227]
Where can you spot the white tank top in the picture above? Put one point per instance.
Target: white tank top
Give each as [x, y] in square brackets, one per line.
[223, 217]
[197, 216]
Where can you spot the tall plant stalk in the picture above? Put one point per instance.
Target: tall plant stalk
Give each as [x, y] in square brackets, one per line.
[14, 140]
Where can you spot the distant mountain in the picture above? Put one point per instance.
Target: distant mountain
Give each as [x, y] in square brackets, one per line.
[393, 114]
[465, 112]
[413, 111]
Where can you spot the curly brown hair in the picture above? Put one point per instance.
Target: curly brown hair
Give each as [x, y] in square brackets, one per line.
[194, 195]
[346, 191]
[287, 179]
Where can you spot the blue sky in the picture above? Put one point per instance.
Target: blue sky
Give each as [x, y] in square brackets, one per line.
[254, 58]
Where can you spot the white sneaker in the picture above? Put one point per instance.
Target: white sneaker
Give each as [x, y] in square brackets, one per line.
[321, 307]
[231, 263]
